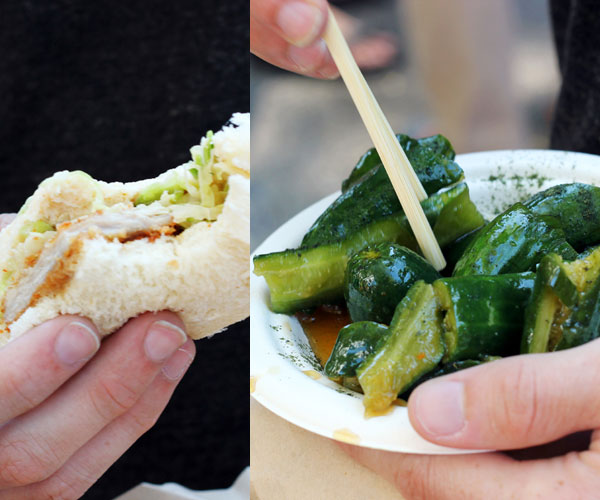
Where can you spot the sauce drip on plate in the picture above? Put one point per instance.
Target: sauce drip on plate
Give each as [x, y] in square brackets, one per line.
[321, 327]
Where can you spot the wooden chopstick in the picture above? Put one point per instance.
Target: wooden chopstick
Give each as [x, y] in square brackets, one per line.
[404, 179]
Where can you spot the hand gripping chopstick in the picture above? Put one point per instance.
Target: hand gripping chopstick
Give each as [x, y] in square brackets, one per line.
[406, 183]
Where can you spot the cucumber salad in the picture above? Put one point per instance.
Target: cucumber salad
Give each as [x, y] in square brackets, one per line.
[527, 281]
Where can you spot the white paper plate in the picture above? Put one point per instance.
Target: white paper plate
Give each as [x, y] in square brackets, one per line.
[285, 375]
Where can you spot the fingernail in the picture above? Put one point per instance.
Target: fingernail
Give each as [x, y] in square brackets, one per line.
[162, 340]
[299, 22]
[76, 343]
[307, 59]
[177, 364]
[330, 73]
[439, 407]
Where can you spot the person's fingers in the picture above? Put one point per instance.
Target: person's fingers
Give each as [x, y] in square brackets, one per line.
[310, 58]
[37, 363]
[6, 219]
[34, 445]
[314, 61]
[98, 454]
[512, 403]
[490, 475]
[299, 22]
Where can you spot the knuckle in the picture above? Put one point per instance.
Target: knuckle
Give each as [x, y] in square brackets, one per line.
[68, 486]
[20, 390]
[142, 420]
[113, 396]
[25, 462]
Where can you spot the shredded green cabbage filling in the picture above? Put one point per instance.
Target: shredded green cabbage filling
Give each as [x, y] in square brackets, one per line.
[38, 226]
[196, 191]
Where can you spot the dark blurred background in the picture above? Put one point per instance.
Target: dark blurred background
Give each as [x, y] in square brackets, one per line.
[482, 73]
[122, 90]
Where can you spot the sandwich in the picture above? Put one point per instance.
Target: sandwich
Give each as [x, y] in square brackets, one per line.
[111, 251]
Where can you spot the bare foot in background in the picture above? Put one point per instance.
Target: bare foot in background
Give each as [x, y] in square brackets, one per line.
[371, 51]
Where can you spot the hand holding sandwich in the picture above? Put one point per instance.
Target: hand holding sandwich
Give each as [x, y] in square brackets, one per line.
[88, 256]
[70, 410]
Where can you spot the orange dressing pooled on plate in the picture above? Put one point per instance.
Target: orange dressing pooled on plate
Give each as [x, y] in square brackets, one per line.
[321, 327]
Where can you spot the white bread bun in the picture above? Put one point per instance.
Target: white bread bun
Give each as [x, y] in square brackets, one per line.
[201, 273]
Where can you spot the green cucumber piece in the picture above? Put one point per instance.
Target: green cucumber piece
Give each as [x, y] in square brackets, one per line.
[483, 314]
[414, 347]
[562, 312]
[354, 344]
[513, 242]
[576, 207]
[368, 195]
[540, 319]
[306, 277]
[372, 199]
[378, 277]
[460, 212]
[558, 275]
[431, 157]
[455, 250]
[583, 324]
